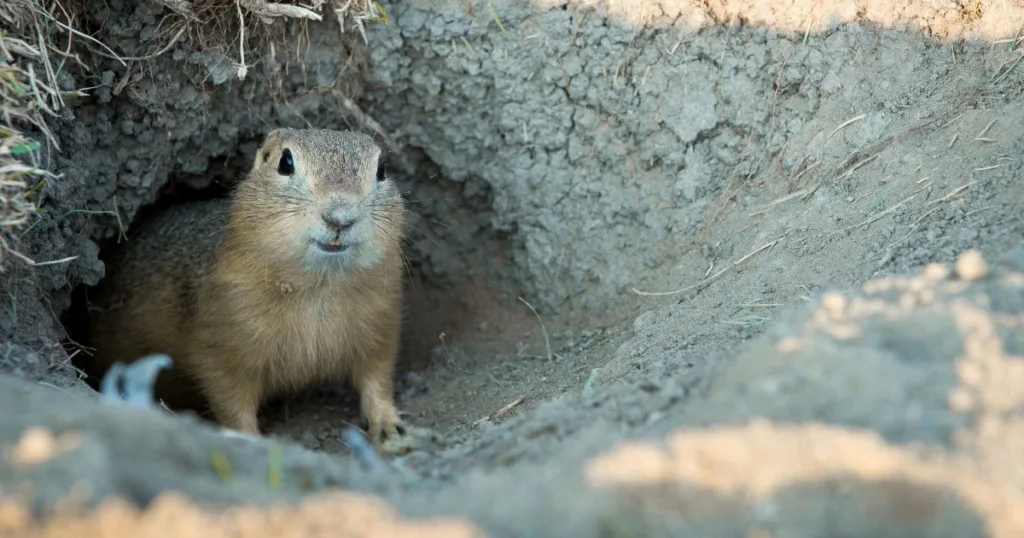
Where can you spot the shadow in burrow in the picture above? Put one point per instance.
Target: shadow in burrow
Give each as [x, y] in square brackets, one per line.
[433, 308]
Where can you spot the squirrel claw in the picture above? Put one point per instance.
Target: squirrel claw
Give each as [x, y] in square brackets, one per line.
[399, 438]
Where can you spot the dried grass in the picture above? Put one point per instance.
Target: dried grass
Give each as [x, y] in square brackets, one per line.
[29, 99]
[35, 43]
[233, 25]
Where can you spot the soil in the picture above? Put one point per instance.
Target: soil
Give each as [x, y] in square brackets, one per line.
[661, 253]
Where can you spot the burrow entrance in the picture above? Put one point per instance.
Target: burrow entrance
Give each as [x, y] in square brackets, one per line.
[450, 323]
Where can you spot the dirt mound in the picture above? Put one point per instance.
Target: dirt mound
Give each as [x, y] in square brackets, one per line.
[896, 412]
[812, 473]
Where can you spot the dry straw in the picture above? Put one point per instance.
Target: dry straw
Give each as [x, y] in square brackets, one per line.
[29, 98]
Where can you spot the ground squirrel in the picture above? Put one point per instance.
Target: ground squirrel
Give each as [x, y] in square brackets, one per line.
[295, 280]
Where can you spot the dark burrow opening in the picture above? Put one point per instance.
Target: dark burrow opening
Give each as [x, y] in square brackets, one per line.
[429, 307]
[223, 174]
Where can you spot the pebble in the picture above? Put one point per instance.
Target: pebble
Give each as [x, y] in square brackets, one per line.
[971, 266]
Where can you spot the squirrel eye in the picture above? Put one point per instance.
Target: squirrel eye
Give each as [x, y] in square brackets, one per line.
[286, 166]
[381, 172]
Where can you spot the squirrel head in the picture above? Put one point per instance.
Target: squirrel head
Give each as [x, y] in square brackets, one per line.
[320, 199]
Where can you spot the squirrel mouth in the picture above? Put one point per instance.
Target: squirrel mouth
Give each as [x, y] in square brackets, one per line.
[333, 246]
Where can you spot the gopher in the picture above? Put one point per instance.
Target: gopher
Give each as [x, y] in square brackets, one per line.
[294, 280]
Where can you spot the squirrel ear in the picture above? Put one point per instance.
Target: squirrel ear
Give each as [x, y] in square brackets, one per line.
[272, 137]
[266, 150]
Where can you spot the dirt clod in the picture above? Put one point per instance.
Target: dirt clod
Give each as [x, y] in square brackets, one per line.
[971, 265]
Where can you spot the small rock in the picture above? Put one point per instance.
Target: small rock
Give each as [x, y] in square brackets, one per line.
[971, 266]
[834, 304]
[935, 272]
[788, 345]
[36, 446]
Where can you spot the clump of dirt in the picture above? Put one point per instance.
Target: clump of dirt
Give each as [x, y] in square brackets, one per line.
[610, 200]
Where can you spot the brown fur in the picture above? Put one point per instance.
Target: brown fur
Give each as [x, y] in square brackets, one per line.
[223, 287]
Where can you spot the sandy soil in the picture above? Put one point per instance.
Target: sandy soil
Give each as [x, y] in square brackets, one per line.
[739, 227]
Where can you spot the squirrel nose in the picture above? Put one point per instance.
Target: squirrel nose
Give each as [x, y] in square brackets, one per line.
[338, 222]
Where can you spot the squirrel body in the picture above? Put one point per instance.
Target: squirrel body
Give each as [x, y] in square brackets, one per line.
[295, 280]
